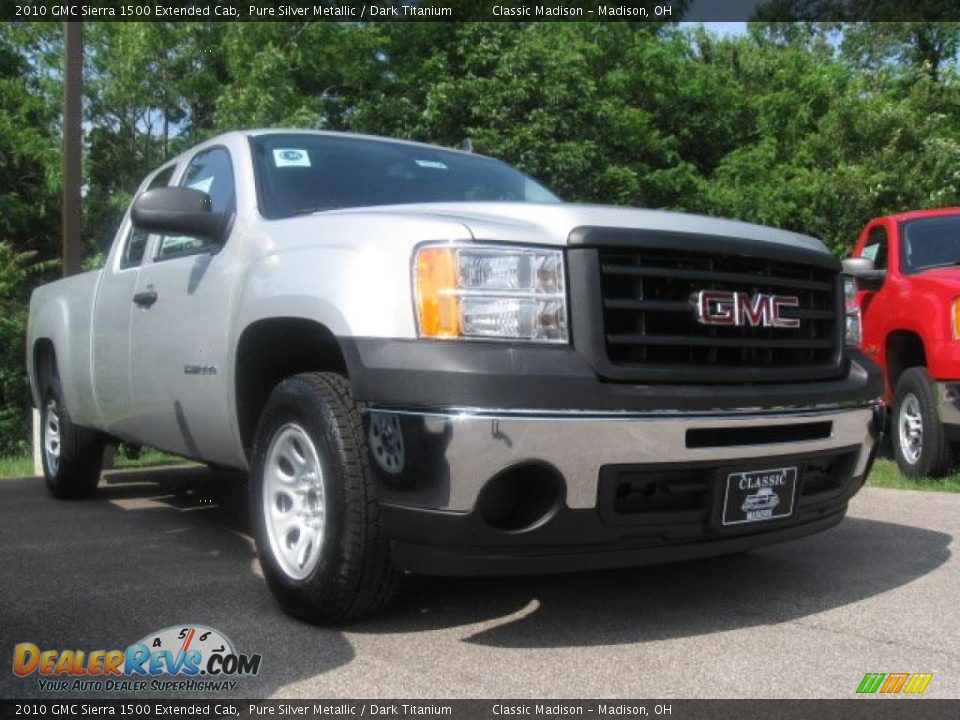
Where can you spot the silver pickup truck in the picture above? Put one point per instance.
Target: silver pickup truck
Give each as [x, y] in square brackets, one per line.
[429, 363]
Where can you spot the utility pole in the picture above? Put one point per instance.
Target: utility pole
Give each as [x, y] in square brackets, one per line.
[72, 144]
[72, 149]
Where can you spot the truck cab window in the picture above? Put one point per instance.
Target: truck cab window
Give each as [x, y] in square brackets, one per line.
[136, 243]
[211, 172]
[876, 247]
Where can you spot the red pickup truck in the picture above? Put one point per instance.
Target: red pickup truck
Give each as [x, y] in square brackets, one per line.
[905, 306]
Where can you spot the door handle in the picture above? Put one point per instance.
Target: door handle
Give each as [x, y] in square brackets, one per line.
[146, 298]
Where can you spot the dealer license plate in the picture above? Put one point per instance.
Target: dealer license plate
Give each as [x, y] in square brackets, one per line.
[759, 495]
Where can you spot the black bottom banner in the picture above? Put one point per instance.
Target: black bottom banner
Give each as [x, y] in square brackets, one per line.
[863, 708]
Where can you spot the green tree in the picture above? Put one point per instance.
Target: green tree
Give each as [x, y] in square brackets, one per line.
[29, 144]
[18, 272]
[29, 220]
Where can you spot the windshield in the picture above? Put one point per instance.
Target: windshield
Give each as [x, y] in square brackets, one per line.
[300, 173]
[931, 242]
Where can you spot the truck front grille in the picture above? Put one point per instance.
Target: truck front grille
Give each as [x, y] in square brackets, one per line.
[649, 316]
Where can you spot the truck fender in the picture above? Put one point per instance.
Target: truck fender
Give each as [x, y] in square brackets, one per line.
[354, 291]
[50, 324]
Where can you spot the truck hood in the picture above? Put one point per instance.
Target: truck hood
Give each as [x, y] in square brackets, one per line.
[945, 278]
[551, 223]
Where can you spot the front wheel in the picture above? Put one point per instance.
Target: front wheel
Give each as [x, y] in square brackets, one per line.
[314, 512]
[919, 443]
[72, 455]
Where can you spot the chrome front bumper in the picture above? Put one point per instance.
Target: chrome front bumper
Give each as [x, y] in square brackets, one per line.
[449, 456]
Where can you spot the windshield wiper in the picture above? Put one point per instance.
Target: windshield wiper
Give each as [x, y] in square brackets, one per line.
[312, 210]
[952, 263]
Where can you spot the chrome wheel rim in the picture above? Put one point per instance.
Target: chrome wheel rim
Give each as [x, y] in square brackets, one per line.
[294, 502]
[51, 436]
[386, 442]
[911, 429]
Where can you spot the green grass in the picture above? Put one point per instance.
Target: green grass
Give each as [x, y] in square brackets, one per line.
[22, 466]
[16, 466]
[148, 458]
[886, 475]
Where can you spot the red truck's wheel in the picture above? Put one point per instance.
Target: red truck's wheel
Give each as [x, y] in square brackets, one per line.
[313, 509]
[72, 455]
[919, 443]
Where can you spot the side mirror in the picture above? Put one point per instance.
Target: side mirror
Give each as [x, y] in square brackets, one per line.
[864, 272]
[178, 211]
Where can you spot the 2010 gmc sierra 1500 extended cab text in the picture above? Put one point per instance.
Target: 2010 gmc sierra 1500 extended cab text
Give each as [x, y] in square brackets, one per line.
[428, 363]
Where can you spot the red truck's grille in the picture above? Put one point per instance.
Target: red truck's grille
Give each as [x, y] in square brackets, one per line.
[650, 320]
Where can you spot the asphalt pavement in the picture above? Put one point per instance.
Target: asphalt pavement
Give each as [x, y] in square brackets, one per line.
[168, 547]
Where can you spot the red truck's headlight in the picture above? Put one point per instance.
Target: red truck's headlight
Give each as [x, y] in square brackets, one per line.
[490, 292]
[853, 318]
[955, 318]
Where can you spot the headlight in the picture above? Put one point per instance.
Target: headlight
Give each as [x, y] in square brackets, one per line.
[489, 291]
[853, 332]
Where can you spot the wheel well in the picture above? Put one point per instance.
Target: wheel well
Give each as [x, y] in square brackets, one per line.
[270, 351]
[904, 351]
[44, 363]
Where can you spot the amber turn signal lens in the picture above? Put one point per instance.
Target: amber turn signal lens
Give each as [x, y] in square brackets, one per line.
[955, 317]
[438, 312]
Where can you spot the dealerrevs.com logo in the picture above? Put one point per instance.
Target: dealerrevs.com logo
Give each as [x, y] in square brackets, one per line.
[184, 658]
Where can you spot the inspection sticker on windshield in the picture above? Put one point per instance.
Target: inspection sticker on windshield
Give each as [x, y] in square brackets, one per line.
[290, 157]
[759, 495]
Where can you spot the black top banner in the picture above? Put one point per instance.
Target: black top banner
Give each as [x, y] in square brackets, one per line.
[656, 11]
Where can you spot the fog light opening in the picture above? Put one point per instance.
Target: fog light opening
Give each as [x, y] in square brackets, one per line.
[522, 497]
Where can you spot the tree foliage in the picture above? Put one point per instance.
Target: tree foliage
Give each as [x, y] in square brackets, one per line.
[18, 270]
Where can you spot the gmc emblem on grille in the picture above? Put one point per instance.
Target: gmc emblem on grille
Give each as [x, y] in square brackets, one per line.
[721, 307]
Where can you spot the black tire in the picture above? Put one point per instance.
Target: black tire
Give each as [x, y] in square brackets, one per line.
[351, 575]
[72, 455]
[915, 400]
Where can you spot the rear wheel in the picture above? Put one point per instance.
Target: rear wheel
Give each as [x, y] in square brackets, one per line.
[312, 502]
[72, 455]
[920, 446]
